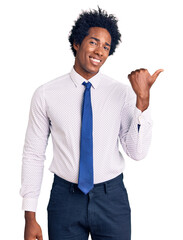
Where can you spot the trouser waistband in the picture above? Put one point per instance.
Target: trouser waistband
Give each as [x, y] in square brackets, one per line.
[109, 184]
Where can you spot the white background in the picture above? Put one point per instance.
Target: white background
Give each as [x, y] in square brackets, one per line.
[34, 49]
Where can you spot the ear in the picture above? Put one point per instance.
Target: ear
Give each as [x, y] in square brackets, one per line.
[76, 45]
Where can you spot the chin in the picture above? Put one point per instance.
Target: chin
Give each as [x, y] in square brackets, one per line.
[93, 70]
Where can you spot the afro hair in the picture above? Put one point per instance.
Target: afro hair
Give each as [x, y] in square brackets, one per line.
[94, 18]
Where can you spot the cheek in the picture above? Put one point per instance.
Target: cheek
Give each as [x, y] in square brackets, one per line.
[81, 57]
[105, 58]
[85, 52]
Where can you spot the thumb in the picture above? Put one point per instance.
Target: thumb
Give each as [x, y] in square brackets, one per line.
[155, 75]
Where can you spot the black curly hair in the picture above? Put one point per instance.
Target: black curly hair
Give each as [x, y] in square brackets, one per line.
[94, 18]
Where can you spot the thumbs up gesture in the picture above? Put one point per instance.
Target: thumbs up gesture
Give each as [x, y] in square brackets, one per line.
[141, 82]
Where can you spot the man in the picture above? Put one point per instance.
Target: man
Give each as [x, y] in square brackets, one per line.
[87, 113]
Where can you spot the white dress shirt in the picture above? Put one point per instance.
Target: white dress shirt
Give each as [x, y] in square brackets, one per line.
[55, 110]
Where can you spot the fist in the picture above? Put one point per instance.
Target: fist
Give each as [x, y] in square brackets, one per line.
[141, 81]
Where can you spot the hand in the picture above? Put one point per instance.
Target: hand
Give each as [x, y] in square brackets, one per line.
[32, 231]
[141, 82]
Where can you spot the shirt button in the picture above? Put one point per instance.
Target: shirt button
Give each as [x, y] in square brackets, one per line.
[140, 118]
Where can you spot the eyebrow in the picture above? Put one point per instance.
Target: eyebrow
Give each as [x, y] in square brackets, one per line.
[98, 40]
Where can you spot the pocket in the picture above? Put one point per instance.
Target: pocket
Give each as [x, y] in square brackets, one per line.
[58, 197]
[124, 194]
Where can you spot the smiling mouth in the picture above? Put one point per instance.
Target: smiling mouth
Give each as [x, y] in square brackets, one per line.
[95, 61]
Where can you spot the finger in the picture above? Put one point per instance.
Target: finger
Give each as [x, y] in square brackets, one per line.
[142, 69]
[156, 74]
[40, 238]
[130, 75]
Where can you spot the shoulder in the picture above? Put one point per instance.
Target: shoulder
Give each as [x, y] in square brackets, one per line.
[56, 82]
[51, 85]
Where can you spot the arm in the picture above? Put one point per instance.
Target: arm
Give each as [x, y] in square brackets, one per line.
[136, 124]
[36, 140]
[32, 228]
[135, 140]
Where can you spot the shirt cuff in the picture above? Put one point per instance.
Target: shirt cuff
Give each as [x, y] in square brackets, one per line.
[144, 116]
[29, 204]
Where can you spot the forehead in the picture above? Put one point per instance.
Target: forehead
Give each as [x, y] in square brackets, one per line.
[101, 33]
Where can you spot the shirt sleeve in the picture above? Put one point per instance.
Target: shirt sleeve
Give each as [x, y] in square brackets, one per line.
[36, 140]
[135, 128]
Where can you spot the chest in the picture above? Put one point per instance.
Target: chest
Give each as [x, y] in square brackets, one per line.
[64, 109]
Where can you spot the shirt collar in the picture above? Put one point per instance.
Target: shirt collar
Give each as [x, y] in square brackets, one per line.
[78, 79]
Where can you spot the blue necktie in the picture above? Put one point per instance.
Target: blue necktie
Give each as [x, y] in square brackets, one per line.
[85, 179]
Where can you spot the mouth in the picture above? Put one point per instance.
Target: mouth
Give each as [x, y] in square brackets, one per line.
[95, 61]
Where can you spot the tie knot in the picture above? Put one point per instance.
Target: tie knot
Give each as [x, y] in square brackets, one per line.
[87, 85]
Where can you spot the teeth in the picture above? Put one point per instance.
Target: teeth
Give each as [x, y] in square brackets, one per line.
[95, 60]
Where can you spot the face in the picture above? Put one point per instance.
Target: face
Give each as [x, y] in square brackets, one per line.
[93, 52]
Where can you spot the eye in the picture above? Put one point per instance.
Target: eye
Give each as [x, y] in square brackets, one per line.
[106, 48]
[93, 43]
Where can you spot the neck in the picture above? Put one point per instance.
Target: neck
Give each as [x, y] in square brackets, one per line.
[84, 74]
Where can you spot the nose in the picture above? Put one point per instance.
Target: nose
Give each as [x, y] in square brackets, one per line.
[99, 50]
